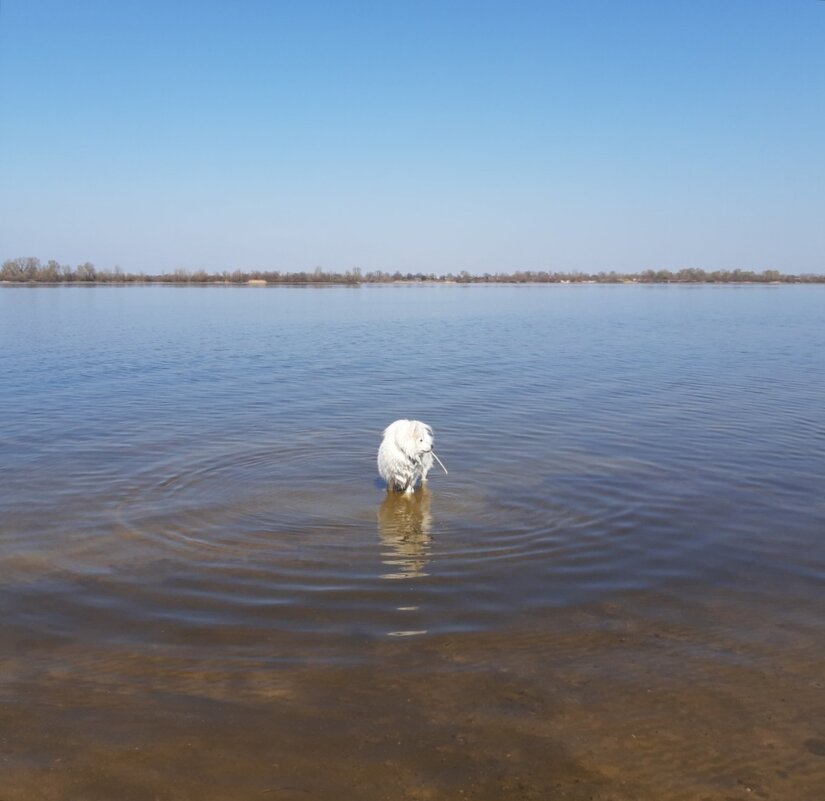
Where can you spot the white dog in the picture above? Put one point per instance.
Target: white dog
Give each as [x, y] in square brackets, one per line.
[406, 455]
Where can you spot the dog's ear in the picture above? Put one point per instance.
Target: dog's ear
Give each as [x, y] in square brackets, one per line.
[405, 437]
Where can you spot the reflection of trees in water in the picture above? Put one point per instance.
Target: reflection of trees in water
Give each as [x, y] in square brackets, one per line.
[404, 524]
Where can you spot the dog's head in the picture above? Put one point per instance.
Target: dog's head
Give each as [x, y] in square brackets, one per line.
[412, 437]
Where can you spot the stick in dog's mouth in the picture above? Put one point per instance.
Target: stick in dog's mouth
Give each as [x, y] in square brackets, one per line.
[440, 462]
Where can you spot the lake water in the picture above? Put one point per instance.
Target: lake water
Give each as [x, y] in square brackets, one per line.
[618, 592]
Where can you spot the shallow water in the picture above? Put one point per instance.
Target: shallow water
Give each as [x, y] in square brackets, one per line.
[616, 593]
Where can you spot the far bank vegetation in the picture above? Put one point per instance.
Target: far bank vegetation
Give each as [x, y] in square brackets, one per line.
[32, 270]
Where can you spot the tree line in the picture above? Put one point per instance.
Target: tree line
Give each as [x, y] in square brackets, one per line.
[32, 270]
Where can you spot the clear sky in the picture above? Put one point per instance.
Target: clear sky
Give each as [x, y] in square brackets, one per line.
[420, 136]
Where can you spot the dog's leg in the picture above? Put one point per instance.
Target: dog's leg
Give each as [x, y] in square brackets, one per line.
[426, 466]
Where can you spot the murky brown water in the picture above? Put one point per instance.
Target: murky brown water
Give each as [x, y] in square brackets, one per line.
[617, 592]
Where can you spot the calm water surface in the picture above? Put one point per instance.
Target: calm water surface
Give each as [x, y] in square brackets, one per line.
[616, 593]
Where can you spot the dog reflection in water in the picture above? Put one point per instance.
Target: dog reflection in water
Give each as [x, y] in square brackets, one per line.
[404, 523]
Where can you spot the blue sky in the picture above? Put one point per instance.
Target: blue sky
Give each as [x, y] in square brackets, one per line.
[418, 136]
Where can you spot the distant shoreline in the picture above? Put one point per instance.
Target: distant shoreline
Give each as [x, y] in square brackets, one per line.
[24, 271]
[806, 281]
